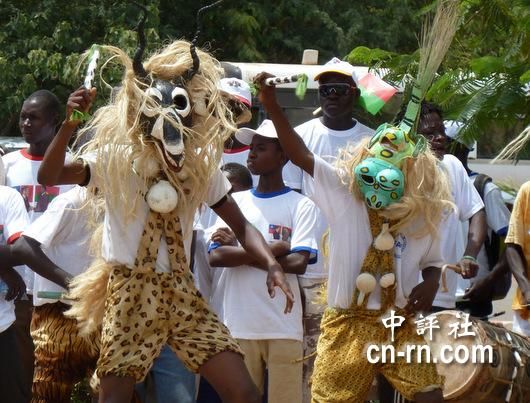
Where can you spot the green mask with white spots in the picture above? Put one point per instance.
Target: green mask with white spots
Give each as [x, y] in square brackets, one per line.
[391, 144]
[380, 182]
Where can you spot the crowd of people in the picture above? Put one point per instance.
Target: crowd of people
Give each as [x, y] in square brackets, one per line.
[280, 209]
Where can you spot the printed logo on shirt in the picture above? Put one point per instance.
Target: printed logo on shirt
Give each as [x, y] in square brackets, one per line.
[37, 197]
[279, 232]
[400, 244]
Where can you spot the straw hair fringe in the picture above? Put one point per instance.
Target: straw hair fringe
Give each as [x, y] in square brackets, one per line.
[89, 291]
[118, 138]
[436, 38]
[427, 194]
[513, 148]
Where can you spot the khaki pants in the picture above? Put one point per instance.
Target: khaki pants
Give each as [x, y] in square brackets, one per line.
[282, 359]
[313, 310]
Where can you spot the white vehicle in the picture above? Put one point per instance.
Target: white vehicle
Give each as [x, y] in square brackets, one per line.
[299, 111]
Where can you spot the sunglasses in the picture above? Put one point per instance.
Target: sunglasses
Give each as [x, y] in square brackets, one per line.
[339, 89]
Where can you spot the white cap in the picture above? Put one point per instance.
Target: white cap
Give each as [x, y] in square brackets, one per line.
[337, 66]
[452, 130]
[237, 88]
[265, 129]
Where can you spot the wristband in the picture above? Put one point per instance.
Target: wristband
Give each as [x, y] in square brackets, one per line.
[468, 257]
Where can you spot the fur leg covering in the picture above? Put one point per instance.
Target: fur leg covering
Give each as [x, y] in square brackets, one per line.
[89, 292]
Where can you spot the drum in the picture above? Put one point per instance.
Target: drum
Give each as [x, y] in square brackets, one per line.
[500, 374]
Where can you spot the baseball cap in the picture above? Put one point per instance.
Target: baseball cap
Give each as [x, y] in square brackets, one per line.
[452, 130]
[265, 129]
[237, 88]
[338, 66]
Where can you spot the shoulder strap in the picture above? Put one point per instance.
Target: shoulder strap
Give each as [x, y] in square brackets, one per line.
[480, 184]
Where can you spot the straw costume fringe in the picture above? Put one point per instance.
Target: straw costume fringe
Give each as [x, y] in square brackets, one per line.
[119, 140]
[515, 146]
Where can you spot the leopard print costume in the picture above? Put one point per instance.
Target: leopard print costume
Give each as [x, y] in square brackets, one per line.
[146, 309]
[342, 372]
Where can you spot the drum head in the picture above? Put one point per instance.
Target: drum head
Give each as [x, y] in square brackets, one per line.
[458, 377]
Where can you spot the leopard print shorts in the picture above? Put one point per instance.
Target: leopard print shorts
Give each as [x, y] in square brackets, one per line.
[146, 310]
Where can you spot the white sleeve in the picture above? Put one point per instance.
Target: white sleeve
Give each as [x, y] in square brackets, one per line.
[218, 187]
[202, 271]
[53, 226]
[15, 215]
[292, 175]
[330, 194]
[90, 160]
[468, 199]
[497, 213]
[433, 257]
[304, 223]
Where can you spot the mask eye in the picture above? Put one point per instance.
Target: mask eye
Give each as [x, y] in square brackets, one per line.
[154, 94]
[181, 101]
[369, 180]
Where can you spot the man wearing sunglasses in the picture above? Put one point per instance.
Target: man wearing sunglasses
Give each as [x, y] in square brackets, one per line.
[324, 136]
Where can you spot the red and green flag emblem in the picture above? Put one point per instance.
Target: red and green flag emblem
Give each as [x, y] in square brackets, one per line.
[375, 93]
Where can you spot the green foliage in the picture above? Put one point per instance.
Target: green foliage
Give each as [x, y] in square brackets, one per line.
[41, 42]
[480, 82]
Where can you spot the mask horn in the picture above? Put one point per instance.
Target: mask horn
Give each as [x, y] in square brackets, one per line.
[194, 57]
[138, 66]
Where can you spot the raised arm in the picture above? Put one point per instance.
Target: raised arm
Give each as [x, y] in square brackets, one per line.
[291, 142]
[53, 170]
[252, 241]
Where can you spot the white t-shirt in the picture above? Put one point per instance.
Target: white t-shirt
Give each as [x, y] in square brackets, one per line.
[468, 203]
[325, 143]
[13, 220]
[206, 277]
[122, 232]
[350, 238]
[21, 173]
[498, 218]
[239, 156]
[247, 309]
[64, 235]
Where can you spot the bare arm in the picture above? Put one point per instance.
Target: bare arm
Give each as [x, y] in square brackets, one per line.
[53, 170]
[422, 296]
[517, 263]
[229, 255]
[252, 241]
[482, 288]
[28, 251]
[295, 263]
[234, 256]
[291, 142]
[476, 236]
[15, 285]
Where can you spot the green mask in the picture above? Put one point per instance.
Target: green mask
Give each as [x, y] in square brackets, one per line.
[391, 144]
[380, 182]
